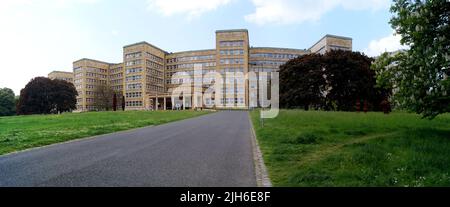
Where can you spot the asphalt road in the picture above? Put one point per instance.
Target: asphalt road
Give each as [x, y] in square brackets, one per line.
[211, 150]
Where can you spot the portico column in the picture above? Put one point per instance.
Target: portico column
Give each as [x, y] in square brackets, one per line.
[165, 104]
[157, 103]
[173, 105]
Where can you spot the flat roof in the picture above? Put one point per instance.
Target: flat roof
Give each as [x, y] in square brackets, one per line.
[231, 30]
[93, 61]
[332, 36]
[192, 51]
[145, 43]
[58, 71]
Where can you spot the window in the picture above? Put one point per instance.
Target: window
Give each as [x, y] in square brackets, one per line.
[133, 103]
[134, 86]
[134, 78]
[133, 70]
[134, 95]
[238, 43]
[133, 62]
[231, 52]
[133, 55]
[273, 55]
[232, 61]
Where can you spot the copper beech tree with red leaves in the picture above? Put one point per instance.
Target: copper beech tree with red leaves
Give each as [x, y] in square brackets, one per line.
[338, 80]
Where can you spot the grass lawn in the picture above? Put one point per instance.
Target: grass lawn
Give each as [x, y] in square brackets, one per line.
[350, 149]
[23, 132]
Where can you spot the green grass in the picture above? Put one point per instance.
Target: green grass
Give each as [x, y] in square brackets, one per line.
[23, 132]
[350, 149]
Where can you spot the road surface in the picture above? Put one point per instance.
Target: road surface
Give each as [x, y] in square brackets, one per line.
[211, 150]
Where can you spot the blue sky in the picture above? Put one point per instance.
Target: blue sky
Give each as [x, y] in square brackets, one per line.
[38, 36]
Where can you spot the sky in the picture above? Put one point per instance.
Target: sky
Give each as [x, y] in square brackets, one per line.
[40, 36]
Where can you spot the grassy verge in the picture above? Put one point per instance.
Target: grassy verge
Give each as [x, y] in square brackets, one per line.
[23, 132]
[350, 149]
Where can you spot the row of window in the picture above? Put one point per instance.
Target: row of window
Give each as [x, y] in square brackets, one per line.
[154, 65]
[257, 70]
[233, 79]
[155, 58]
[133, 103]
[115, 76]
[97, 70]
[231, 61]
[191, 65]
[231, 52]
[116, 70]
[155, 80]
[96, 75]
[191, 58]
[134, 78]
[273, 55]
[117, 88]
[157, 88]
[133, 62]
[259, 63]
[133, 55]
[232, 101]
[134, 95]
[77, 70]
[232, 70]
[134, 86]
[133, 70]
[238, 43]
[154, 72]
[89, 80]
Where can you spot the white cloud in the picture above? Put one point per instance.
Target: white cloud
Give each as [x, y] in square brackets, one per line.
[191, 8]
[390, 43]
[299, 11]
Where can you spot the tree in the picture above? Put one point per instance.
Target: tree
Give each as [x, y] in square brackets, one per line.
[350, 80]
[386, 68]
[44, 96]
[64, 97]
[338, 80]
[422, 76]
[115, 102]
[103, 98]
[7, 102]
[36, 98]
[123, 103]
[302, 82]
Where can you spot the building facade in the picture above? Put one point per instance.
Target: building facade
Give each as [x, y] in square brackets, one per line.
[61, 75]
[149, 75]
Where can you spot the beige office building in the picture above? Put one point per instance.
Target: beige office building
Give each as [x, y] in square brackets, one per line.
[146, 76]
[61, 75]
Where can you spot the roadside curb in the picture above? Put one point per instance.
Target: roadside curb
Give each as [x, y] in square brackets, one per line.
[262, 176]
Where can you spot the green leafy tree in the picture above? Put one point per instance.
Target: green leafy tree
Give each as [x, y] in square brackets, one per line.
[7, 102]
[302, 82]
[387, 69]
[422, 75]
